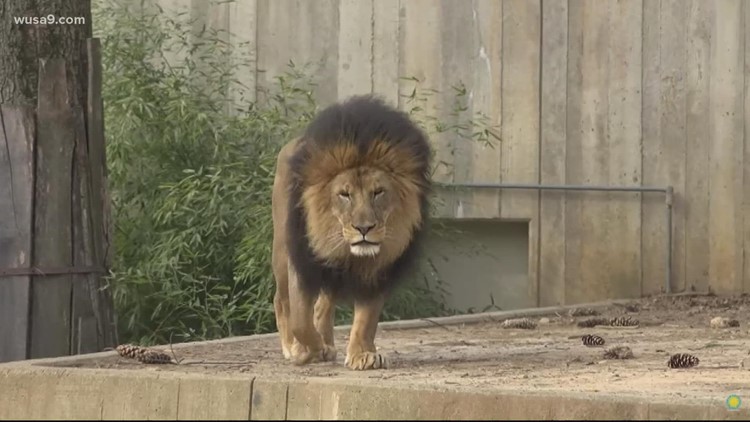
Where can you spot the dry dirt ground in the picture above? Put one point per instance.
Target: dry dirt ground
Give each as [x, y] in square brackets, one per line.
[550, 357]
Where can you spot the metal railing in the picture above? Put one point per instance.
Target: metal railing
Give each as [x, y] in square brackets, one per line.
[668, 192]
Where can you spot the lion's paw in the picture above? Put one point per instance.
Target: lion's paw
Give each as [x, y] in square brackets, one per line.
[296, 350]
[366, 360]
[303, 357]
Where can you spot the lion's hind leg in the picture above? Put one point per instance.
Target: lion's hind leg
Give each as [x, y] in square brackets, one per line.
[325, 311]
[361, 353]
[281, 309]
[281, 304]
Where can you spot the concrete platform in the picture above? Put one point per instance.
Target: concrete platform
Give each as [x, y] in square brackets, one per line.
[465, 367]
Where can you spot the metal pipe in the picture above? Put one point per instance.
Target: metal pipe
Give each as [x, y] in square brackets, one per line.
[668, 192]
[555, 187]
[669, 200]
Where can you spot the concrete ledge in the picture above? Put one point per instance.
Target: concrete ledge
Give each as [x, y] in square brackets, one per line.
[34, 392]
[383, 326]
[52, 389]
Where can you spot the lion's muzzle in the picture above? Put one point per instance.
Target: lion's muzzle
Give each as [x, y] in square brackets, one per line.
[365, 239]
[365, 247]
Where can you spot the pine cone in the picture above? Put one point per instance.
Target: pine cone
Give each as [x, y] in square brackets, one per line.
[523, 323]
[682, 360]
[154, 357]
[624, 321]
[143, 354]
[593, 322]
[130, 351]
[592, 340]
[619, 352]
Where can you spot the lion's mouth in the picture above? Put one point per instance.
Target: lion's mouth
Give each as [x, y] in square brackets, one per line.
[364, 242]
[365, 248]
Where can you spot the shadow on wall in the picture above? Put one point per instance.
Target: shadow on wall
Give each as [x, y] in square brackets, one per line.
[482, 264]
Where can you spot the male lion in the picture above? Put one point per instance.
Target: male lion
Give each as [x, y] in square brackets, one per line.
[350, 198]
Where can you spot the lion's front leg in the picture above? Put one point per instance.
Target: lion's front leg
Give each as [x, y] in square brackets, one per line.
[361, 353]
[309, 346]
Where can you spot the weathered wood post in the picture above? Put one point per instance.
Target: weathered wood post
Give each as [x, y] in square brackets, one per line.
[54, 219]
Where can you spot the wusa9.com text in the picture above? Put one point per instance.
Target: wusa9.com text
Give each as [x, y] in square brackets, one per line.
[49, 20]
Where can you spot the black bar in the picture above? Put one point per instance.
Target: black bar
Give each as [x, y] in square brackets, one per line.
[13, 272]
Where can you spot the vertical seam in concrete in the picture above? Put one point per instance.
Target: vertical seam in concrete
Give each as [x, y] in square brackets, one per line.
[502, 103]
[710, 140]
[177, 410]
[685, 237]
[643, 100]
[565, 159]
[399, 103]
[399, 38]
[250, 403]
[608, 131]
[539, 161]
[372, 46]
[286, 402]
[741, 215]
[256, 53]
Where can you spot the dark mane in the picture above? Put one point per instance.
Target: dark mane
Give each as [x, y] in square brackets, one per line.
[360, 122]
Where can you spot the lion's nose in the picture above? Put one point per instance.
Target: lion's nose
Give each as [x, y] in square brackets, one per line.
[364, 229]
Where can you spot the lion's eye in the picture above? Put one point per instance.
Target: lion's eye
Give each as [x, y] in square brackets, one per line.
[344, 195]
[377, 192]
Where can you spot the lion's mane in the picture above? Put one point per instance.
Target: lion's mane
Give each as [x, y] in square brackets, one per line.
[362, 131]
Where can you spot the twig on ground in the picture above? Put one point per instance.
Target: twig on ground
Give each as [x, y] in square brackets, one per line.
[436, 324]
[218, 362]
[174, 356]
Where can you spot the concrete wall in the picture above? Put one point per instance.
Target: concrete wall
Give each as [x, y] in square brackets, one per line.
[39, 393]
[637, 92]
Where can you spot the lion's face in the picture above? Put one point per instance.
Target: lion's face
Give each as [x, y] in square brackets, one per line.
[362, 212]
[362, 200]
[362, 206]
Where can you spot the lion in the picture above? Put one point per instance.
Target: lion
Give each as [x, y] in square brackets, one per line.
[349, 202]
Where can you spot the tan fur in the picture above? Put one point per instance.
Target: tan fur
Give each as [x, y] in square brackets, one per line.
[342, 191]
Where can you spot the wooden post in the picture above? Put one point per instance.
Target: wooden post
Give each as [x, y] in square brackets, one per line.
[54, 221]
[16, 226]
